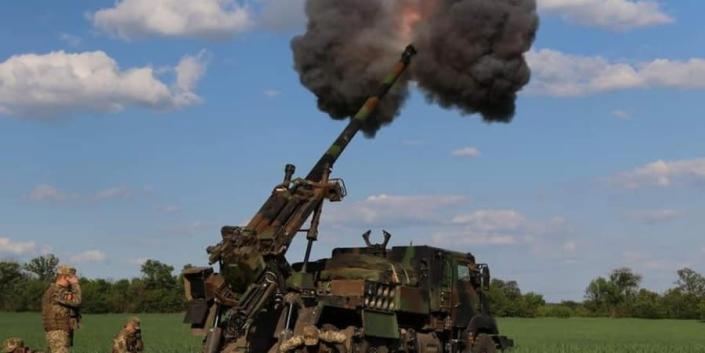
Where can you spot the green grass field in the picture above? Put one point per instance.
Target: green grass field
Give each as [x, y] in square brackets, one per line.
[165, 333]
[580, 335]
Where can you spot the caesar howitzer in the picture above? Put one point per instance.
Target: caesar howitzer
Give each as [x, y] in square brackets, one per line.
[415, 299]
[251, 258]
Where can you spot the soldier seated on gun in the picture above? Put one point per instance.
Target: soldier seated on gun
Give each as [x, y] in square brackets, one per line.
[314, 340]
[129, 339]
[15, 345]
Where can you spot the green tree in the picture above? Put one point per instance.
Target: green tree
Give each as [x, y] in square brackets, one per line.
[158, 275]
[11, 280]
[600, 296]
[119, 299]
[701, 310]
[31, 295]
[691, 283]
[615, 295]
[678, 305]
[626, 282]
[44, 267]
[95, 296]
[506, 300]
[648, 305]
[531, 304]
[159, 287]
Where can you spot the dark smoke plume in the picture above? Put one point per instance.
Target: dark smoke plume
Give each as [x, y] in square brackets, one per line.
[470, 53]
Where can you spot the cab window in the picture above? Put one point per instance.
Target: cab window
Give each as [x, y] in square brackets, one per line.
[463, 273]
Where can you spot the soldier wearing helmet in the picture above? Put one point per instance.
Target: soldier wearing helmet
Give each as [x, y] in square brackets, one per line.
[129, 339]
[60, 307]
[15, 345]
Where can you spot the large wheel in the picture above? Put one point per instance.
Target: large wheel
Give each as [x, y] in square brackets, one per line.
[484, 344]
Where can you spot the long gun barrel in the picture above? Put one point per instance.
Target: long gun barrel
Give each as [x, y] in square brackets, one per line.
[280, 210]
[329, 158]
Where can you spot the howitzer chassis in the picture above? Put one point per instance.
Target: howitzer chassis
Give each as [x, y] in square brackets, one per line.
[414, 299]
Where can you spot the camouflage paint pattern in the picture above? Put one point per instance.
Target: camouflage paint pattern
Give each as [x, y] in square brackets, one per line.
[58, 341]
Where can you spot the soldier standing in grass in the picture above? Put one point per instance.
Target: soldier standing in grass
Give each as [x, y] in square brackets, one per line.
[60, 305]
[129, 339]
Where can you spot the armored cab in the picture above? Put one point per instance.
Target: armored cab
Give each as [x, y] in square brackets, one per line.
[407, 298]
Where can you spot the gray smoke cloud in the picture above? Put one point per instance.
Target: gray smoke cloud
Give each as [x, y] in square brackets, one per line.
[470, 54]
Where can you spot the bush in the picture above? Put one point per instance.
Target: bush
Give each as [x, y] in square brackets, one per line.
[557, 311]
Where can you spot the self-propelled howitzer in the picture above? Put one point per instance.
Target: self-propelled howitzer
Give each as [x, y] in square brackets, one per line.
[252, 259]
[414, 299]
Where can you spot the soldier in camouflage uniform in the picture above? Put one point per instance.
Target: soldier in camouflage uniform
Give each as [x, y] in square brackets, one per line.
[314, 340]
[15, 345]
[129, 339]
[60, 305]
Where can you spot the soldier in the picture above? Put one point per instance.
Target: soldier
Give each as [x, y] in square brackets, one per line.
[60, 305]
[315, 340]
[15, 345]
[129, 339]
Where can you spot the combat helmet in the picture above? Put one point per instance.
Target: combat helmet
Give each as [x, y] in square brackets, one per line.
[11, 344]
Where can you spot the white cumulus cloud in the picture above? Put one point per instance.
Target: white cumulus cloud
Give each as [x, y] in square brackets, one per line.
[621, 114]
[115, 192]
[653, 216]
[61, 83]
[130, 19]
[466, 152]
[570, 247]
[469, 238]
[71, 40]
[499, 227]
[271, 93]
[485, 227]
[610, 14]
[9, 246]
[45, 192]
[559, 74]
[662, 173]
[388, 210]
[643, 261]
[89, 256]
[492, 220]
[170, 209]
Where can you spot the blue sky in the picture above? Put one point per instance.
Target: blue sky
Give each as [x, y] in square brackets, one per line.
[130, 133]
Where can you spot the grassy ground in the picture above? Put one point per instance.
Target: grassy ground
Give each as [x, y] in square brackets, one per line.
[579, 335]
[166, 334]
[163, 333]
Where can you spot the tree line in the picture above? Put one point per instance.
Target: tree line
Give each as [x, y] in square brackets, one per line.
[618, 295]
[159, 290]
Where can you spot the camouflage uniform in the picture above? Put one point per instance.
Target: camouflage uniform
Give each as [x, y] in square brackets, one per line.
[315, 340]
[15, 345]
[129, 342]
[59, 308]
